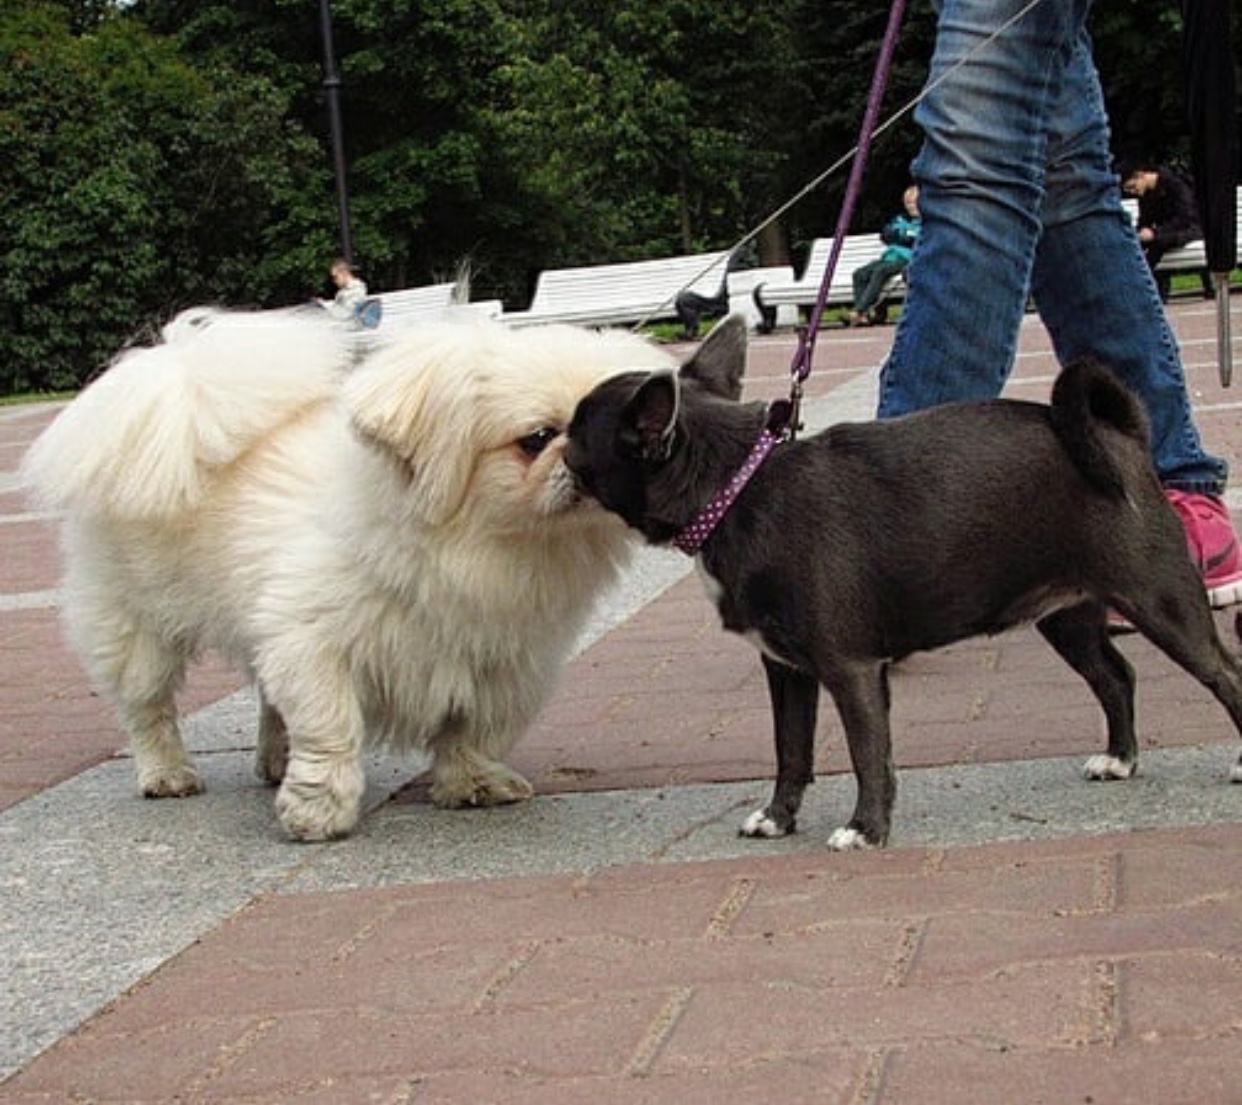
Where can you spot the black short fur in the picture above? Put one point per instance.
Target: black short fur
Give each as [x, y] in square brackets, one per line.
[869, 541]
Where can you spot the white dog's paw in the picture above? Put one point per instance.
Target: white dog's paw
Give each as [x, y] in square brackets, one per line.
[759, 824]
[1104, 767]
[498, 786]
[1235, 773]
[320, 817]
[846, 839]
[313, 811]
[170, 781]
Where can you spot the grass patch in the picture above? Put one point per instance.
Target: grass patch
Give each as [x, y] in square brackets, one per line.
[35, 397]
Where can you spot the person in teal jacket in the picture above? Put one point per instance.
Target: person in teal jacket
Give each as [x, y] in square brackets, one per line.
[899, 235]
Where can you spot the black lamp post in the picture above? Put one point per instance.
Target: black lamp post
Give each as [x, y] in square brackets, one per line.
[332, 94]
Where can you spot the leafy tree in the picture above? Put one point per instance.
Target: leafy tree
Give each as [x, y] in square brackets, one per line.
[416, 78]
[130, 185]
[830, 81]
[75, 212]
[158, 153]
[1137, 50]
[634, 130]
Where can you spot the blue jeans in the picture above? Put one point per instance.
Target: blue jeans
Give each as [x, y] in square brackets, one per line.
[1018, 198]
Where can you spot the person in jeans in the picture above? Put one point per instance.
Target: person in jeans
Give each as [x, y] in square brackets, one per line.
[1018, 198]
[899, 236]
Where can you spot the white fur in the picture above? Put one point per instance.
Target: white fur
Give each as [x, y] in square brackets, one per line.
[1106, 767]
[759, 824]
[372, 546]
[754, 637]
[1235, 773]
[847, 840]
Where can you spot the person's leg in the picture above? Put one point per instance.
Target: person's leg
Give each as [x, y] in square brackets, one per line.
[867, 292]
[981, 184]
[879, 308]
[982, 178]
[1095, 290]
[1098, 297]
[868, 283]
[861, 278]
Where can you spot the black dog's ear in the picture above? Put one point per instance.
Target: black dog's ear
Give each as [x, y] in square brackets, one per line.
[650, 417]
[720, 362]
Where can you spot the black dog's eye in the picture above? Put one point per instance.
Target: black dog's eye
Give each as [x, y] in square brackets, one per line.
[534, 444]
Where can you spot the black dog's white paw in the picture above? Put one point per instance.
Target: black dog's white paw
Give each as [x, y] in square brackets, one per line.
[760, 824]
[847, 839]
[1235, 773]
[1107, 767]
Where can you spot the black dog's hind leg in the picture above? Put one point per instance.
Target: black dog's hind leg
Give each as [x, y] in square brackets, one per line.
[1178, 621]
[862, 699]
[795, 709]
[1080, 636]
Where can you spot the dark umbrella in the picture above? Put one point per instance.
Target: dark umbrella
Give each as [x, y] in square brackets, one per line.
[1212, 114]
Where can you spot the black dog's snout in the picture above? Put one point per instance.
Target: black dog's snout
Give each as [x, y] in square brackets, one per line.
[575, 462]
[583, 483]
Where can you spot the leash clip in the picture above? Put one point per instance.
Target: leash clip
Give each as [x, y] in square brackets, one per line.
[784, 415]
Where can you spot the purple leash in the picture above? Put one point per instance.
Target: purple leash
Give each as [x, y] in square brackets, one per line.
[783, 418]
[800, 369]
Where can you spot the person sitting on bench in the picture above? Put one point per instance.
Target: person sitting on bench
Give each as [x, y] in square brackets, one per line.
[899, 235]
[1168, 216]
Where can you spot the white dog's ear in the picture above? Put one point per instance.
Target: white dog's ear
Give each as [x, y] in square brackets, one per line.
[421, 413]
[650, 419]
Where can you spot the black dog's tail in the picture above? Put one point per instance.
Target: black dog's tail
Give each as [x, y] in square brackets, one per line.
[1085, 398]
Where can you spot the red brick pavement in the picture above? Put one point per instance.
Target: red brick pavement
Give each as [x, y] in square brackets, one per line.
[1096, 970]
[1099, 969]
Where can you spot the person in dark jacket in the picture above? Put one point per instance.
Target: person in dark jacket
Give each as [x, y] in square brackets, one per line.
[1167, 214]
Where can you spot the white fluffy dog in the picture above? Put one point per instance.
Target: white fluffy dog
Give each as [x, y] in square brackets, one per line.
[394, 553]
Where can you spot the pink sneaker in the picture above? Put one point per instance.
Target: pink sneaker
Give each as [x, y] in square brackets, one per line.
[1213, 544]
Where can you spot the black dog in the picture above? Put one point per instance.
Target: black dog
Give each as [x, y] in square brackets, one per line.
[870, 541]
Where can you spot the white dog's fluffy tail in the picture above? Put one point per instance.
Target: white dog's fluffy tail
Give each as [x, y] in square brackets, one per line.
[143, 440]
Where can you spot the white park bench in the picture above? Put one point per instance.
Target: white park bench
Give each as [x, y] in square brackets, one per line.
[617, 294]
[404, 306]
[407, 306]
[803, 292]
[742, 285]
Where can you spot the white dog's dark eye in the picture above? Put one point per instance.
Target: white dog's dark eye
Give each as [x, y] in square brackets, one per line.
[534, 444]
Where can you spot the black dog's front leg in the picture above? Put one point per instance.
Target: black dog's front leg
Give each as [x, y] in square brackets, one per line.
[862, 699]
[795, 708]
